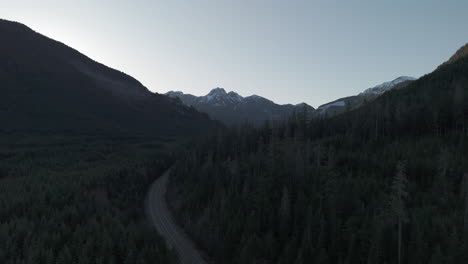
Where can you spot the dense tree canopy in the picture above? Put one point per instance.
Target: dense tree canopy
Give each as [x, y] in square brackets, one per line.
[385, 183]
[78, 200]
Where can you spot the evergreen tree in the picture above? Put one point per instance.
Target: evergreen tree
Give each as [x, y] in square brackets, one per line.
[397, 202]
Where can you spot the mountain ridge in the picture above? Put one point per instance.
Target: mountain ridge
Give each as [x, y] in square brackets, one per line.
[344, 104]
[386, 86]
[232, 108]
[48, 86]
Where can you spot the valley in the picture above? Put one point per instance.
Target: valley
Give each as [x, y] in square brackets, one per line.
[96, 167]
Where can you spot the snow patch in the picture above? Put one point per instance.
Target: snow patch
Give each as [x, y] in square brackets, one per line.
[381, 88]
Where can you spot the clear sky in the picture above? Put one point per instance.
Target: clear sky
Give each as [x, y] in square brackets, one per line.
[286, 50]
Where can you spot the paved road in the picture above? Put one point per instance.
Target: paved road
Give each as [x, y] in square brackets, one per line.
[162, 219]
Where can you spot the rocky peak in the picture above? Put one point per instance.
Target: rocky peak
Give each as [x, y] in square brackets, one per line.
[217, 91]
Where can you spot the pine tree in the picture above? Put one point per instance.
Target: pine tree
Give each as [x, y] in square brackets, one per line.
[285, 212]
[397, 202]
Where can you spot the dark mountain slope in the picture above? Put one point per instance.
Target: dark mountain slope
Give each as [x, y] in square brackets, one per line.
[49, 87]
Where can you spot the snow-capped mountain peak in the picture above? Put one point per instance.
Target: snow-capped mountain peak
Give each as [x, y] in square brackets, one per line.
[218, 96]
[351, 102]
[381, 88]
[217, 92]
[233, 108]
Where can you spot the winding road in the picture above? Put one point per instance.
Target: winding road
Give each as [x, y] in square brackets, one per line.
[162, 219]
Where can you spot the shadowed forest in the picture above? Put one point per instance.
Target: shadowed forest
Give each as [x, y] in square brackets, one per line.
[78, 200]
[386, 183]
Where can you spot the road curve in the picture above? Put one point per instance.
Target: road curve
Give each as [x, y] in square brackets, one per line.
[162, 219]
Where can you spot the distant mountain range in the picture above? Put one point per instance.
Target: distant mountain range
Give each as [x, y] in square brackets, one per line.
[47, 87]
[232, 108]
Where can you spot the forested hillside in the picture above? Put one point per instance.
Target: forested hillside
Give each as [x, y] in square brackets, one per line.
[78, 200]
[385, 183]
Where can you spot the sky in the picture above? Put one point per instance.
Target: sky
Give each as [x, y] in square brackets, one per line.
[288, 51]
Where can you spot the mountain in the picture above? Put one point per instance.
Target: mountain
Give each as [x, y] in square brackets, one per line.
[460, 53]
[232, 108]
[436, 104]
[352, 102]
[386, 86]
[48, 87]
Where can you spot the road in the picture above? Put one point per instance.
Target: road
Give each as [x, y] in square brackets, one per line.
[162, 219]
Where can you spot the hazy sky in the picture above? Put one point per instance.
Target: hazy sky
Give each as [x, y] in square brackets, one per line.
[288, 51]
